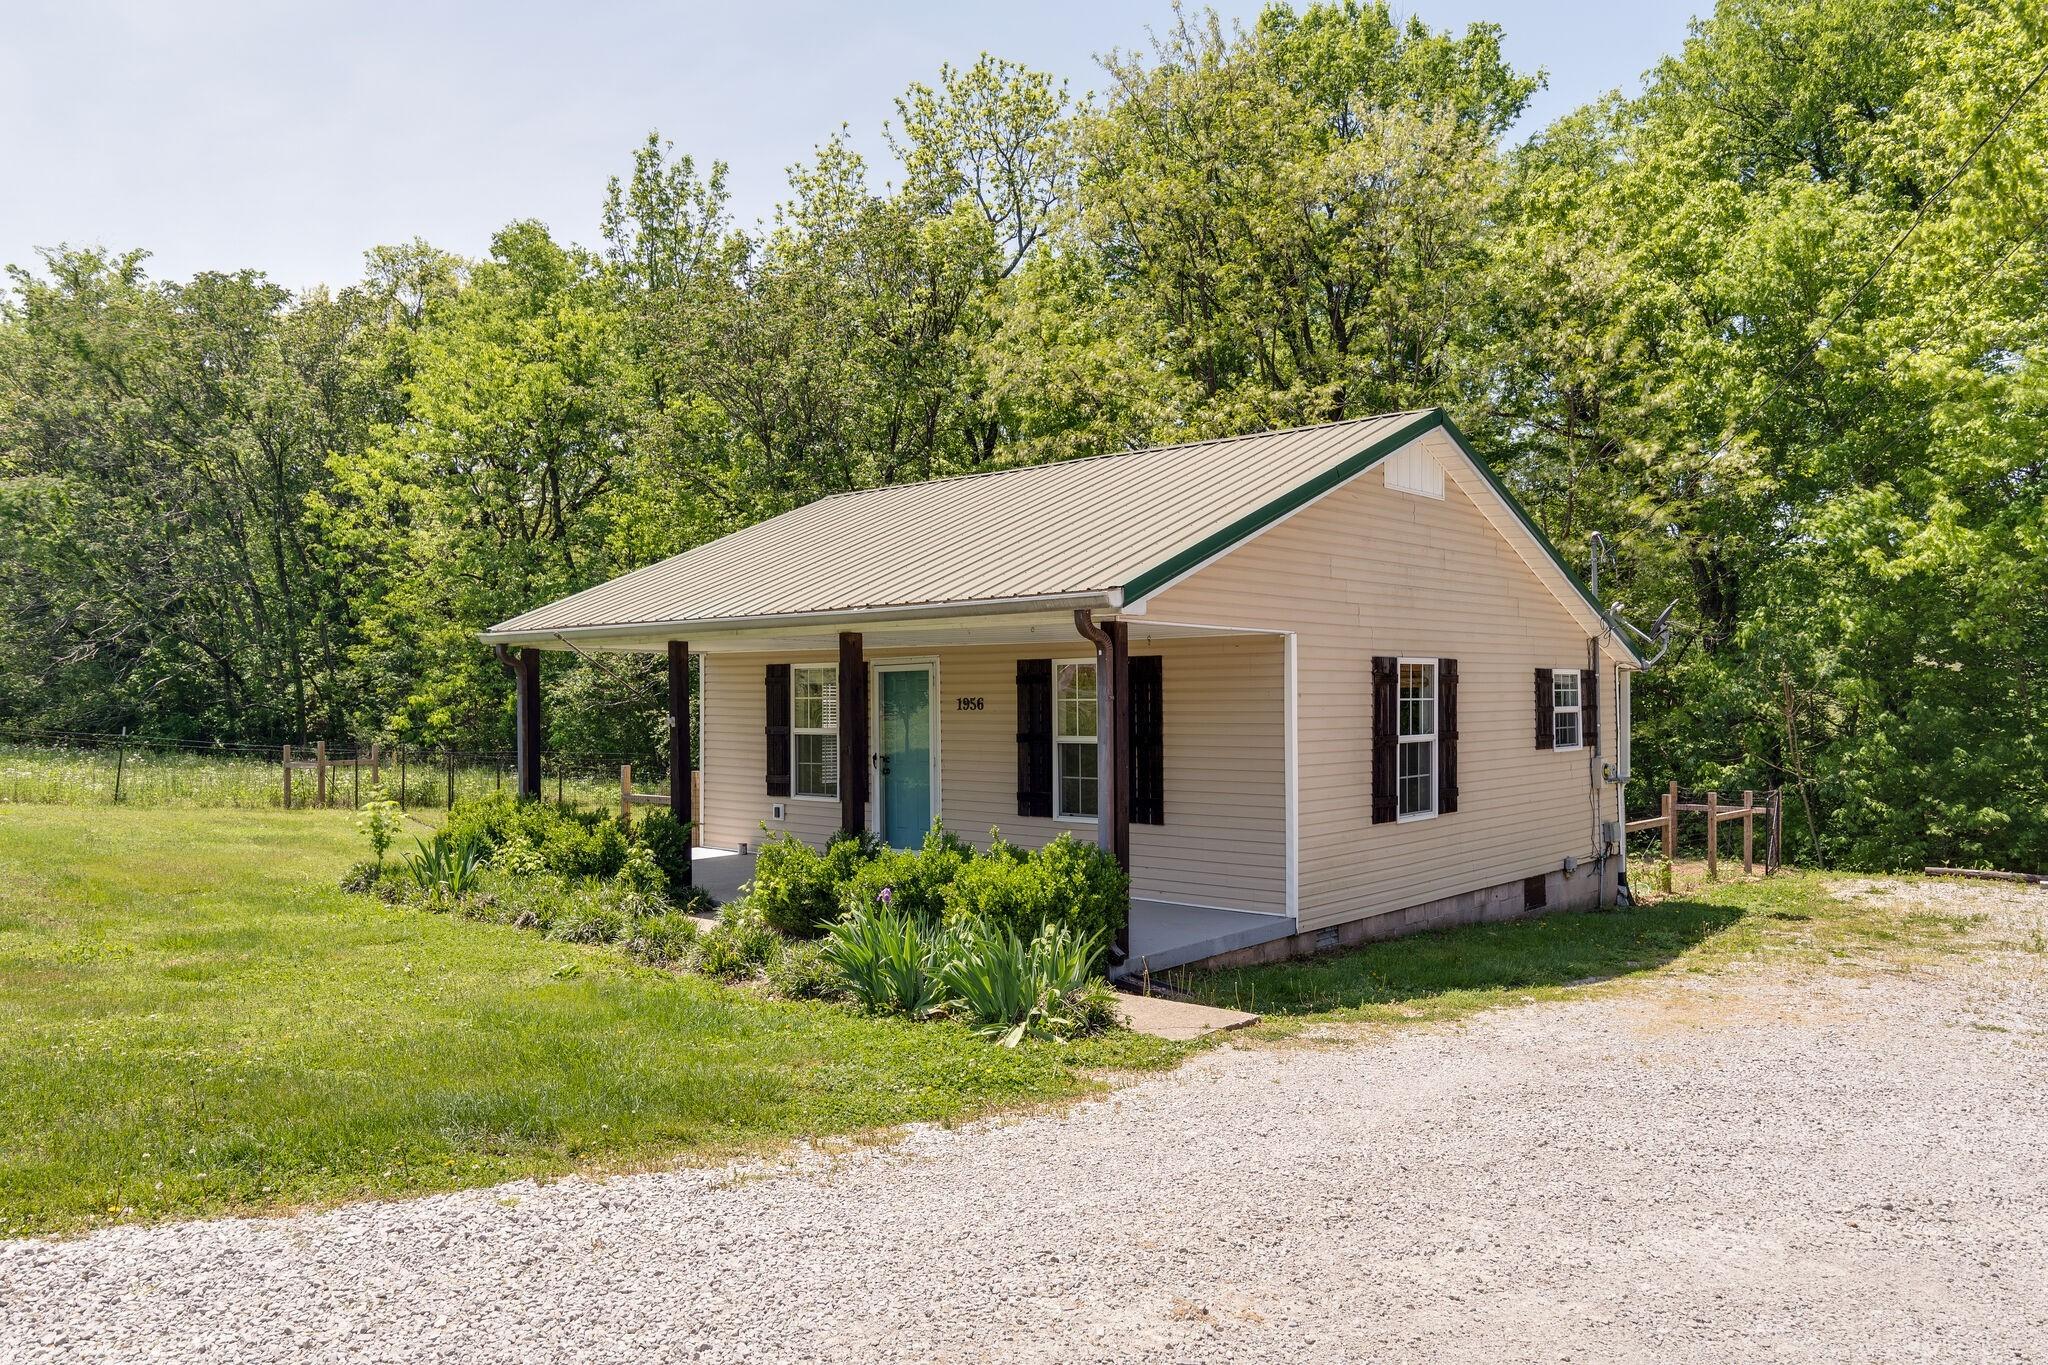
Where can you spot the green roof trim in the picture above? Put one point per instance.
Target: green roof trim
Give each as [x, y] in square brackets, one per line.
[1245, 527]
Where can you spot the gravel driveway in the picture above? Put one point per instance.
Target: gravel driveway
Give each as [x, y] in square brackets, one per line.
[1841, 1165]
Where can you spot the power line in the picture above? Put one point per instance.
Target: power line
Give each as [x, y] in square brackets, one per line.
[1920, 215]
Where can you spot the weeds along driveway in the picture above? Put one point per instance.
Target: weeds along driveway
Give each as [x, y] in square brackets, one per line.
[1817, 1164]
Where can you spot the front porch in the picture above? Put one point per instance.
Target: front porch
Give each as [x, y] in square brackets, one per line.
[1185, 775]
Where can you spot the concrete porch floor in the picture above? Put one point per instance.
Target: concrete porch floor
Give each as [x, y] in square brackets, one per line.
[1165, 935]
[720, 872]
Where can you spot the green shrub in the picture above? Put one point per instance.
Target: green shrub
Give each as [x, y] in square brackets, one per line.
[668, 840]
[517, 857]
[890, 961]
[913, 882]
[1065, 883]
[641, 873]
[362, 877]
[575, 848]
[663, 939]
[513, 833]
[796, 889]
[802, 971]
[491, 820]
[737, 947]
[585, 919]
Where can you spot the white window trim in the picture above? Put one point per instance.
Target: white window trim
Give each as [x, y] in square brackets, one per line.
[1094, 740]
[1579, 710]
[794, 794]
[1436, 703]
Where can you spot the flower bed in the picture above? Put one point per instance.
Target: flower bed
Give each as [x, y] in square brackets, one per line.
[1011, 942]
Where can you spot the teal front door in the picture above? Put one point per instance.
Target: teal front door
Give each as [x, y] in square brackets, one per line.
[904, 754]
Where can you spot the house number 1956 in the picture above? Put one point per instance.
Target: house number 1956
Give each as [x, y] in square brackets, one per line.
[967, 703]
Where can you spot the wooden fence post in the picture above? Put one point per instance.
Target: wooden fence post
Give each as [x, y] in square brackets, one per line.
[625, 796]
[401, 775]
[376, 764]
[287, 777]
[320, 773]
[1671, 823]
[1713, 836]
[1748, 832]
[451, 779]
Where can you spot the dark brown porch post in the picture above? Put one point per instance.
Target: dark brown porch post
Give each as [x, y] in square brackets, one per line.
[679, 746]
[524, 666]
[1112, 744]
[1119, 752]
[853, 732]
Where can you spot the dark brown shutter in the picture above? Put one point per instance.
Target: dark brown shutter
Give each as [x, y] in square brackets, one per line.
[1545, 699]
[1034, 737]
[1589, 708]
[778, 729]
[1446, 735]
[1385, 738]
[1148, 741]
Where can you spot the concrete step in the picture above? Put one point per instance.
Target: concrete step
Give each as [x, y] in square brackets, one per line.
[1177, 1020]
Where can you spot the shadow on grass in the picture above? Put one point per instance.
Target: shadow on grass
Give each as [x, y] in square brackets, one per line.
[1453, 971]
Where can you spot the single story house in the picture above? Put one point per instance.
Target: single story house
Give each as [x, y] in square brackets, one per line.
[1312, 686]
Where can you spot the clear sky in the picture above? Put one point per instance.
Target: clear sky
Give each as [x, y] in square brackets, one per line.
[290, 135]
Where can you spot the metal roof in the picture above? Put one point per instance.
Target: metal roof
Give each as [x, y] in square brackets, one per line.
[1104, 531]
[1106, 528]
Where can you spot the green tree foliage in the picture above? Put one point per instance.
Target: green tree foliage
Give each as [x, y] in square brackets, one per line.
[1773, 327]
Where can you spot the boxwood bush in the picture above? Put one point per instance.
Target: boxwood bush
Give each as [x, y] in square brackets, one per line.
[912, 881]
[796, 889]
[1065, 883]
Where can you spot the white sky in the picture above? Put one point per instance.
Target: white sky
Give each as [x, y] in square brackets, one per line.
[291, 136]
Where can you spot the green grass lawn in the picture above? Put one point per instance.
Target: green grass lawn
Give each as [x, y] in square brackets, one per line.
[197, 1020]
[1794, 916]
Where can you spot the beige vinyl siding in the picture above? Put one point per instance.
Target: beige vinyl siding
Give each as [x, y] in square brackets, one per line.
[1368, 570]
[1224, 840]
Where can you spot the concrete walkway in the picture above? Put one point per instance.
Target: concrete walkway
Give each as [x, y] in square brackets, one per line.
[1178, 1021]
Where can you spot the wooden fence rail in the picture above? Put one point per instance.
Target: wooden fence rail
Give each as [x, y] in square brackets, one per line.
[321, 766]
[628, 798]
[1666, 821]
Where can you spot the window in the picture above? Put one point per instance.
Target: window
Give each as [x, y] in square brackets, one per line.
[1564, 708]
[1073, 732]
[1415, 771]
[814, 730]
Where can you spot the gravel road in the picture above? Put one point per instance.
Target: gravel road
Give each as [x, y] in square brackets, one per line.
[1810, 1165]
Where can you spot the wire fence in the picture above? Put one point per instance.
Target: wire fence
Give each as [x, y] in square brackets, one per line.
[78, 768]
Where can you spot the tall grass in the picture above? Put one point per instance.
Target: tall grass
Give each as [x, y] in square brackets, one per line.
[152, 774]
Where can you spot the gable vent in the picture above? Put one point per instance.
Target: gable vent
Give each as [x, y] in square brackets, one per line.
[1412, 469]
